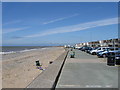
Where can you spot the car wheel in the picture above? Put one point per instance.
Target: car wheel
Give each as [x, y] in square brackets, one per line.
[104, 55]
[94, 53]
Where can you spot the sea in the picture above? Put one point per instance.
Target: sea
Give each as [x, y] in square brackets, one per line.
[15, 49]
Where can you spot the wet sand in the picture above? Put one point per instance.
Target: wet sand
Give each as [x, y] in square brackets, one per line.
[19, 69]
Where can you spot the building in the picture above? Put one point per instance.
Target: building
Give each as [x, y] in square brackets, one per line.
[101, 43]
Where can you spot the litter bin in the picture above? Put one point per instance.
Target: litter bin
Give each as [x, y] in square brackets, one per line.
[117, 58]
[72, 56]
[111, 59]
[74, 53]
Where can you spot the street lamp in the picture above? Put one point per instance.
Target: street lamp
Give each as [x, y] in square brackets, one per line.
[114, 48]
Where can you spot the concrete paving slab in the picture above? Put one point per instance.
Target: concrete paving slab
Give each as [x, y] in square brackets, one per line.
[87, 71]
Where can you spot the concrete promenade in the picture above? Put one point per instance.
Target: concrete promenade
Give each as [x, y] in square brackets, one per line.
[87, 71]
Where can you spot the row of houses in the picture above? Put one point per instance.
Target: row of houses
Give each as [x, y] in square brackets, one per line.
[101, 43]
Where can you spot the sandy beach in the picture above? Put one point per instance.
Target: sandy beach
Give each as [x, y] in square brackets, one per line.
[19, 69]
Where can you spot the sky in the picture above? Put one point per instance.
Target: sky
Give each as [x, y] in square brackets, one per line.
[58, 23]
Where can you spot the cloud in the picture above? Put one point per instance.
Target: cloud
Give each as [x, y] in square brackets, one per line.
[60, 19]
[13, 30]
[77, 27]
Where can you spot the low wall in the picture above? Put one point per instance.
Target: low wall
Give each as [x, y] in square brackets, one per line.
[49, 77]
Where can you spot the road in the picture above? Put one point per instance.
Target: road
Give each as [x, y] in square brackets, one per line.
[87, 71]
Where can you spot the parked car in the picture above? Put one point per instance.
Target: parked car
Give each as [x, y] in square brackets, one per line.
[80, 48]
[77, 47]
[94, 52]
[88, 51]
[107, 51]
[90, 48]
[85, 48]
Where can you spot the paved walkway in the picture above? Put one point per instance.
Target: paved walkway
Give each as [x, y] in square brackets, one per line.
[87, 71]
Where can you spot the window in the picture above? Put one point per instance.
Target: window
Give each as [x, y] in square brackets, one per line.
[99, 48]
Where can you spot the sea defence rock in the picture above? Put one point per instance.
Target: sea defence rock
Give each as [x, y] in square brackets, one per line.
[49, 77]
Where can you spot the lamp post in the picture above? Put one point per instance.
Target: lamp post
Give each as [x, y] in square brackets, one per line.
[114, 48]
